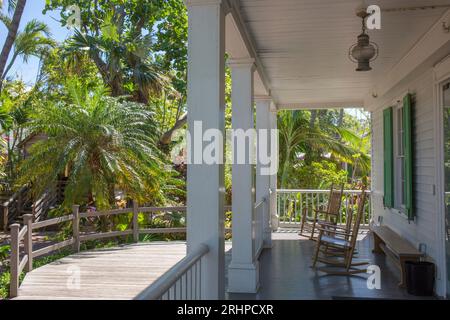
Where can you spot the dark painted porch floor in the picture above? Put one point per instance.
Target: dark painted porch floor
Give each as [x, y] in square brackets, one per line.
[285, 273]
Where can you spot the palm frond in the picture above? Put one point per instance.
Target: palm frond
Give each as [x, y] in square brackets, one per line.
[104, 142]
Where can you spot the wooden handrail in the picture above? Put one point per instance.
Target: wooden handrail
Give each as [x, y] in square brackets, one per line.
[162, 209]
[15, 196]
[51, 222]
[104, 213]
[25, 233]
[53, 247]
[9, 210]
[102, 235]
[22, 233]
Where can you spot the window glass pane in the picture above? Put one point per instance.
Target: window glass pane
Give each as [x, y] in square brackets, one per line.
[400, 149]
[403, 182]
[400, 160]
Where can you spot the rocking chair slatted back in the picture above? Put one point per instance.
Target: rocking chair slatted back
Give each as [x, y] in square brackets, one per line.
[335, 200]
[361, 202]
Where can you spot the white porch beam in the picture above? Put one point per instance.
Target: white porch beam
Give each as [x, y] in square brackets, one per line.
[206, 105]
[248, 43]
[263, 125]
[243, 271]
[321, 105]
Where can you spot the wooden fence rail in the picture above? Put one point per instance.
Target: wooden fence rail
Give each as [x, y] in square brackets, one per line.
[23, 262]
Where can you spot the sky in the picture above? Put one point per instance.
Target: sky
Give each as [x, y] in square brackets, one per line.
[33, 10]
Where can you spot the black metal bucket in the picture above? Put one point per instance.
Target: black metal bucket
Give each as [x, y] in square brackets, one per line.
[420, 278]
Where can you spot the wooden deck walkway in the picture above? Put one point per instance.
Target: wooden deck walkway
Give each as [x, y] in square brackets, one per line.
[113, 273]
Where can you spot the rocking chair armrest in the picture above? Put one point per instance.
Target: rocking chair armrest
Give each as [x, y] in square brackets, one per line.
[338, 232]
[325, 212]
[330, 225]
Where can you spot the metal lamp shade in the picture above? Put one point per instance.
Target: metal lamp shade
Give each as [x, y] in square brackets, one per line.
[363, 52]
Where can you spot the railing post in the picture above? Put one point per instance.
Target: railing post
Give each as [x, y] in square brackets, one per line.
[135, 221]
[14, 262]
[28, 221]
[5, 218]
[76, 227]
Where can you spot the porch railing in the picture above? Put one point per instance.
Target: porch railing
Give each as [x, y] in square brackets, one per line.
[22, 260]
[293, 202]
[181, 282]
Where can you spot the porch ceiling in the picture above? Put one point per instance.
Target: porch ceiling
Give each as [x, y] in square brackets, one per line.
[303, 44]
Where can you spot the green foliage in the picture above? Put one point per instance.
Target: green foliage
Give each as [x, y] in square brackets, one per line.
[34, 40]
[319, 175]
[103, 142]
[4, 252]
[58, 66]
[333, 139]
[119, 37]
[16, 101]
[5, 278]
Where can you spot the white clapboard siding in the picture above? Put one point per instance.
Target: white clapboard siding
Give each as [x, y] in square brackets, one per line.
[423, 229]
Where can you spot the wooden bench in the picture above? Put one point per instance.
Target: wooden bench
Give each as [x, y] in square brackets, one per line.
[395, 247]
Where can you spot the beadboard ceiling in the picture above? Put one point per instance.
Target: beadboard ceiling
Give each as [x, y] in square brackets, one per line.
[303, 45]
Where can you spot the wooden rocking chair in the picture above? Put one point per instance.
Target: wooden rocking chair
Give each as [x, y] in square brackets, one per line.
[330, 214]
[344, 241]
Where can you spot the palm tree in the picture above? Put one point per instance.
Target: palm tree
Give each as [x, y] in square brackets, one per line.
[13, 28]
[102, 142]
[34, 40]
[297, 135]
[120, 64]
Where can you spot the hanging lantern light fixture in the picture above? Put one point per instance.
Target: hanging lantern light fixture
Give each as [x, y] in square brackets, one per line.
[364, 51]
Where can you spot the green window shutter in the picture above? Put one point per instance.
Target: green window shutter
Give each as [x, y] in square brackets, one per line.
[408, 143]
[388, 132]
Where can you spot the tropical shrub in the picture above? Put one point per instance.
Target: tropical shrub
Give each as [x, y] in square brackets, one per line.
[102, 143]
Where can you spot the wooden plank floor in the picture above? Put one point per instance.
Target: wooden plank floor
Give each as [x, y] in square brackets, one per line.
[286, 273]
[113, 273]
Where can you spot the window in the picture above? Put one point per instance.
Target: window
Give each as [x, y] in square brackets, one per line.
[398, 157]
[399, 163]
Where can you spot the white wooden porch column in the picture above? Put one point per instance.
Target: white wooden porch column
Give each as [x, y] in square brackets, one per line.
[206, 106]
[263, 104]
[273, 178]
[243, 271]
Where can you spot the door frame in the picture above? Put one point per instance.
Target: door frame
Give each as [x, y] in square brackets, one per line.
[441, 76]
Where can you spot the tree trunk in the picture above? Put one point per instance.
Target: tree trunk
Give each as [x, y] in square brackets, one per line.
[166, 138]
[308, 149]
[285, 168]
[312, 119]
[11, 37]
[341, 118]
[322, 118]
